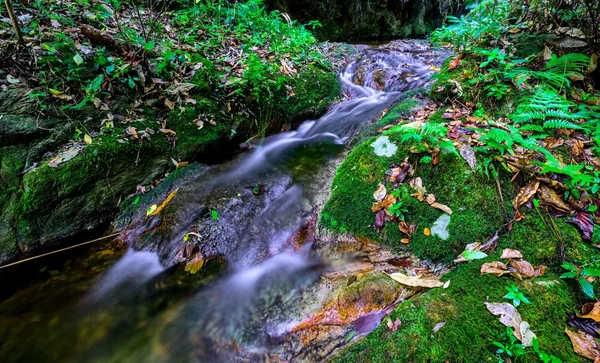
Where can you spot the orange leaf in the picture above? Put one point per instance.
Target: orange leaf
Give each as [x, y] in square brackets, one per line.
[427, 231]
[164, 204]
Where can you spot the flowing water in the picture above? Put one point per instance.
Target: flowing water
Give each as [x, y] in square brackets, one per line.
[262, 273]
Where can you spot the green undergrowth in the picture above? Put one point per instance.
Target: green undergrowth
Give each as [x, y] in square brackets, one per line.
[478, 209]
[469, 328]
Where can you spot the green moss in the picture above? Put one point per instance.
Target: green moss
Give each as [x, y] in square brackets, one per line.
[315, 89]
[474, 199]
[469, 328]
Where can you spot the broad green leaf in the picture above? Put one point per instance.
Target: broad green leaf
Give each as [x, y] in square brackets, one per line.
[586, 287]
[78, 59]
[150, 45]
[568, 275]
[569, 266]
[590, 271]
[474, 255]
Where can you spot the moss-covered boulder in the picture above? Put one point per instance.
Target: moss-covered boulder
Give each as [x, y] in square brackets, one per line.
[478, 208]
[469, 328]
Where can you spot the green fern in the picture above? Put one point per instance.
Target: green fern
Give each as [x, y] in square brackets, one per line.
[556, 73]
[545, 110]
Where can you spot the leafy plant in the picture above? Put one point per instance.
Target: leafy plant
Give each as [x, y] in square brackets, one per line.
[397, 210]
[545, 109]
[513, 348]
[581, 275]
[515, 295]
[429, 137]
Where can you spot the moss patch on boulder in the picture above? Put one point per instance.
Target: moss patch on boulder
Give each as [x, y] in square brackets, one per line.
[470, 329]
[478, 209]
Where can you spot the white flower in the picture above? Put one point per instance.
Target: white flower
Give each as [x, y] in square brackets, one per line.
[384, 147]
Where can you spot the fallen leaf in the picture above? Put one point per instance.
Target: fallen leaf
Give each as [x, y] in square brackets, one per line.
[525, 269]
[393, 326]
[526, 193]
[549, 197]
[527, 335]
[380, 193]
[387, 202]
[446, 284]
[60, 95]
[87, 139]
[64, 156]
[178, 88]
[442, 207]
[12, 80]
[163, 204]
[379, 219]
[585, 223]
[405, 241]
[495, 268]
[427, 231]
[170, 105]
[168, 131]
[508, 254]
[416, 281]
[509, 316]
[195, 264]
[454, 63]
[474, 255]
[584, 344]
[589, 326]
[468, 154]
[438, 326]
[591, 311]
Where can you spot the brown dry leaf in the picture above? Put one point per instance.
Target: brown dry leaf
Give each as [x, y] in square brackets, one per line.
[508, 253]
[168, 131]
[384, 204]
[163, 204]
[591, 311]
[526, 193]
[584, 344]
[552, 142]
[548, 196]
[416, 281]
[577, 147]
[430, 199]
[60, 95]
[525, 269]
[195, 264]
[495, 268]
[468, 154]
[170, 105]
[509, 316]
[380, 193]
[393, 326]
[132, 131]
[64, 156]
[442, 207]
[454, 63]
[404, 228]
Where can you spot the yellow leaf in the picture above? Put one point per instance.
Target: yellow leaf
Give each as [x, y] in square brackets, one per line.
[87, 139]
[427, 231]
[157, 210]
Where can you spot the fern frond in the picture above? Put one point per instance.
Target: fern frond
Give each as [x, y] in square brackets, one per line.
[561, 124]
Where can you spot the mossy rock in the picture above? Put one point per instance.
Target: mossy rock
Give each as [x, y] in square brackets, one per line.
[478, 209]
[470, 329]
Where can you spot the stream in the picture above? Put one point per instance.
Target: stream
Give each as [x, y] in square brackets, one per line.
[266, 270]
